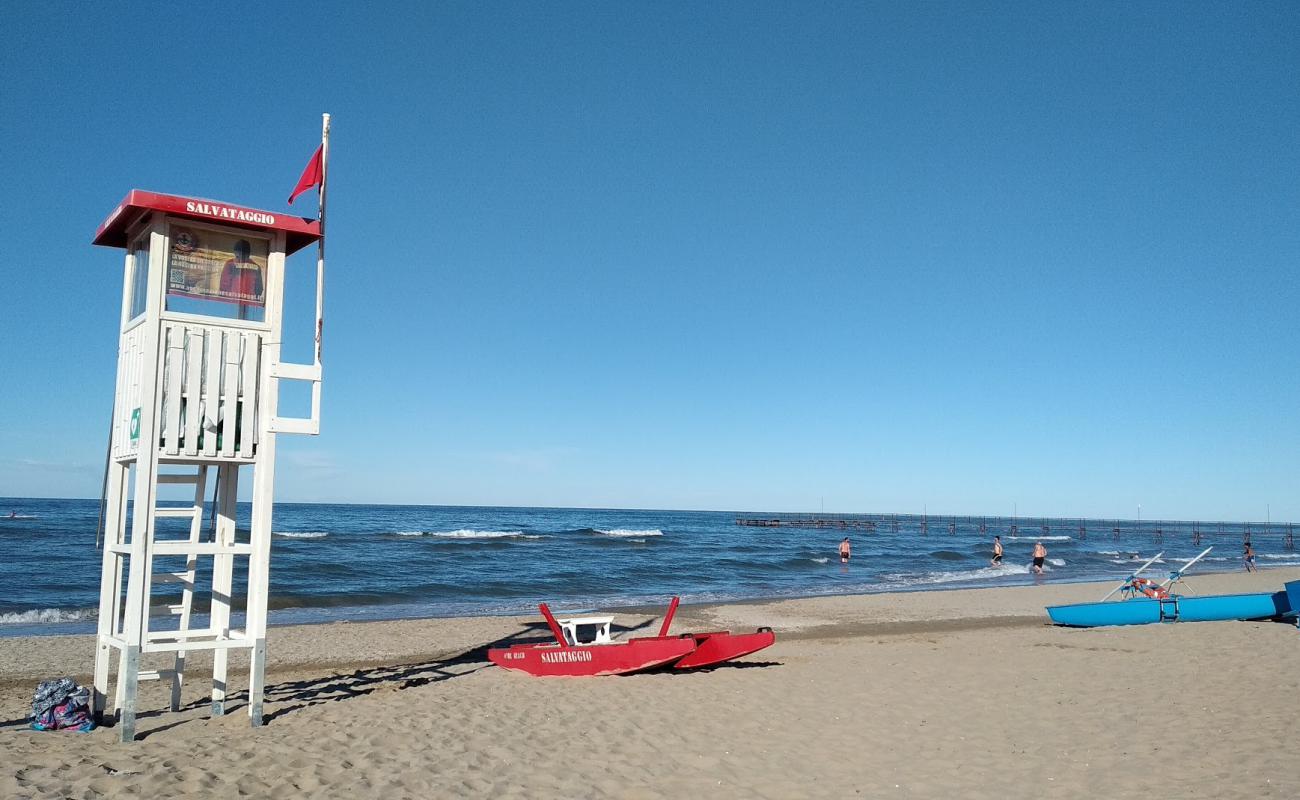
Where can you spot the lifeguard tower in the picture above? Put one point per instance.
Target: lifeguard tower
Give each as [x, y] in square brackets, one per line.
[198, 378]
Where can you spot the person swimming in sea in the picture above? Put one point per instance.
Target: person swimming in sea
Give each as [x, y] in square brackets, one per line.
[845, 550]
[997, 552]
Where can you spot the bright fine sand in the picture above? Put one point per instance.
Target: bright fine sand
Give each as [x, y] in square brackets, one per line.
[954, 694]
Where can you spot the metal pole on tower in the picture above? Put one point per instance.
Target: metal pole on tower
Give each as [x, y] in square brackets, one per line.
[320, 243]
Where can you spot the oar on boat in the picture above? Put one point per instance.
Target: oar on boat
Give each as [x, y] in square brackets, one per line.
[1130, 578]
[556, 631]
[1177, 574]
[668, 617]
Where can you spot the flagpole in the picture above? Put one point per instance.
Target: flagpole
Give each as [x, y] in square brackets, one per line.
[320, 244]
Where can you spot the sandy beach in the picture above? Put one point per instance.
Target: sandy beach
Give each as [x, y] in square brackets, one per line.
[965, 693]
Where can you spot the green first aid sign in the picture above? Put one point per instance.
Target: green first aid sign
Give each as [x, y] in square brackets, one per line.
[135, 425]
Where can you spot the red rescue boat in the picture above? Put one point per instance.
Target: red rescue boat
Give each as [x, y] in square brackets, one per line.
[718, 646]
[583, 646]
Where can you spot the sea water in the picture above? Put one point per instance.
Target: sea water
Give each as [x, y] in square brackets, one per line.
[366, 562]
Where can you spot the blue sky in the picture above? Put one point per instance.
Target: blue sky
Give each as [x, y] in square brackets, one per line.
[877, 257]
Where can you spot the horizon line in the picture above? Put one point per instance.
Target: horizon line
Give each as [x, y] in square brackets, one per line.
[760, 514]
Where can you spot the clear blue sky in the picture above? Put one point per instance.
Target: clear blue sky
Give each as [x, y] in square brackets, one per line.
[884, 257]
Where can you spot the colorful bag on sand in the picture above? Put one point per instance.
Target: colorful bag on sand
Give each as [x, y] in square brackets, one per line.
[61, 705]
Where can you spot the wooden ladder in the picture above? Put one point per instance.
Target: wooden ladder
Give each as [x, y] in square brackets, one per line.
[194, 513]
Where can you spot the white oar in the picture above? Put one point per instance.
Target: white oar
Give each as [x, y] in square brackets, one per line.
[1140, 570]
[1178, 573]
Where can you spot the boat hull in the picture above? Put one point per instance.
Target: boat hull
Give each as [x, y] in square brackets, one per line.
[619, 658]
[1176, 608]
[717, 647]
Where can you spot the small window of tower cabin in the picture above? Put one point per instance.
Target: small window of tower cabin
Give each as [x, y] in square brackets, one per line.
[216, 273]
[139, 276]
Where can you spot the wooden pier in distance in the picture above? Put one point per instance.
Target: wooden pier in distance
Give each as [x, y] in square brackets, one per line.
[1031, 527]
[807, 522]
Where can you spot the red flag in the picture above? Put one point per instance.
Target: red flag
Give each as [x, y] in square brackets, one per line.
[311, 176]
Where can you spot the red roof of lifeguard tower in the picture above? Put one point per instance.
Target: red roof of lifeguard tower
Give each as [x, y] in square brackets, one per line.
[298, 232]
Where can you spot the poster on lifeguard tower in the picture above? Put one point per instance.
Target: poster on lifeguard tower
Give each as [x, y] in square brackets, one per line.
[208, 265]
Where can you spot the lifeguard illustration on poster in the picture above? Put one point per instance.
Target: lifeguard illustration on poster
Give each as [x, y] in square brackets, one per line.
[210, 265]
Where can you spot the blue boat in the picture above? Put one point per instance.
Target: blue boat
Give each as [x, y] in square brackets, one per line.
[1144, 601]
[1180, 608]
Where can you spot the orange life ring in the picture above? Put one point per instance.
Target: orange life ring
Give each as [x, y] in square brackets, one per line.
[1150, 588]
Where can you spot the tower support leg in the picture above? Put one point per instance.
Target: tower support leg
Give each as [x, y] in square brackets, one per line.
[223, 579]
[128, 681]
[257, 682]
[259, 563]
[110, 583]
[135, 624]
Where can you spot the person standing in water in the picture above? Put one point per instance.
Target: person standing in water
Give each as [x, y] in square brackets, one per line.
[997, 552]
[1040, 555]
[1248, 556]
[845, 551]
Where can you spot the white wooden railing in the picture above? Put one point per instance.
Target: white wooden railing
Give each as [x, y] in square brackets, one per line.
[209, 391]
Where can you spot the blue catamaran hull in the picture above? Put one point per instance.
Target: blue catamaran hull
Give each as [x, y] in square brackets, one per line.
[1175, 608]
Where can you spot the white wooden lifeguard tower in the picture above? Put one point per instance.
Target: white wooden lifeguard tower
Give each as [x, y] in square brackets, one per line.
[197, 392]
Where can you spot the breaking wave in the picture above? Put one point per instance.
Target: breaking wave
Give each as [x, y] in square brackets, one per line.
[466, 533]
[302, 534]
[983, 573]
[620, 532]
[45, 616]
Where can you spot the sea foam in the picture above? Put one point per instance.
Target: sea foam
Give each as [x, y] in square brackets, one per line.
[625, 533]
[45, 615]
[466, 533]
[983, 573]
